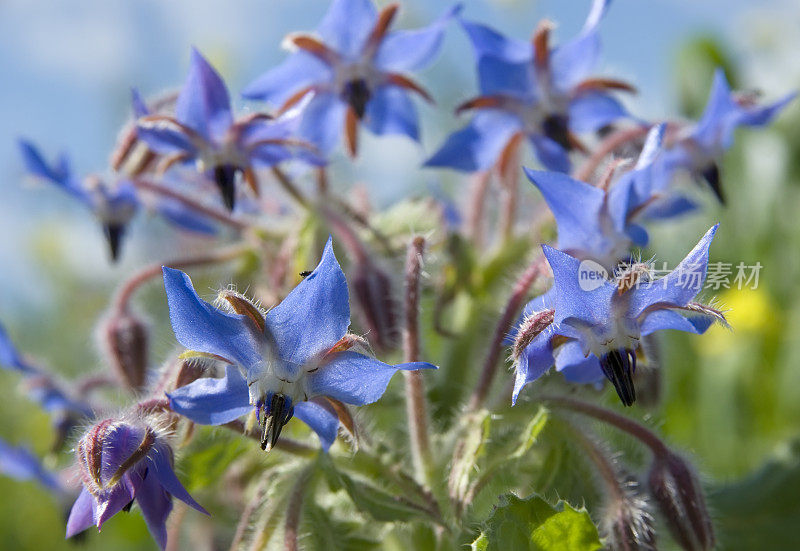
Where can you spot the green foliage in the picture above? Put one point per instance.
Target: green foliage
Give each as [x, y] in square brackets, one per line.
[534, 524]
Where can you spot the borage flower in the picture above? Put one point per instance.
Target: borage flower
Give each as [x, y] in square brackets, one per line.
[122, 460]
[114, 205]
[530, 90]
[698, 148]
[590, 327]
[203, 131]
[603, 222]
[21, 464]
[356, 69]
[297, 360]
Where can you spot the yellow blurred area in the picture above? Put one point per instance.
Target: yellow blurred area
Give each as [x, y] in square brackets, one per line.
[749, 312]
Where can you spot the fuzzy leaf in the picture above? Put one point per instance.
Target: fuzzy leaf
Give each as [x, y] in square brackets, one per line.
[534, 524]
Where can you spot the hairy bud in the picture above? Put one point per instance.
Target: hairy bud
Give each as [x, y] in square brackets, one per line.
[125, 339]
[627, 521]
[530, 328]
[372, 290]
[677, 492]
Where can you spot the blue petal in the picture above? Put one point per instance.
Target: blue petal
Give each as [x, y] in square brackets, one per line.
[489, 42]
[325, 423]
[576, 59]
[679, 286]
[708, 130]
[356, 379]
[165, 138]
[669, 207]
[156, 506]
[59, 174]
[138, 104]
[669, 319]
[498, 76]
[652, 146]
[347, 24]
[10, 356]
[203, 103]
[760, 116]
[81, 516]
[574, 304]
[535, 360]
[412, 50]
[391, 111]
[199, 326]
[591, 111]
[575, 366]
[213, 401]
[298, 71]
[576, 207]
[19, 463]
[180, 215]
[478, 145]
[550, 154]
[315, 315]
[323, 121]
[160, 465]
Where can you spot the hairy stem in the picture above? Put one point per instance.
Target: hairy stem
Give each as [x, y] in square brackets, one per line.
[154, 270]
[416, 406]
[290, 188]
[637, 430]
[293, 510]
[477, 205]
[514, 305]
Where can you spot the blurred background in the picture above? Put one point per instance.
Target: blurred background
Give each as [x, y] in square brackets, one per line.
[731, 399]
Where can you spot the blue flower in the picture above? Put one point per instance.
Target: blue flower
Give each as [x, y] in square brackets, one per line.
[603, 222]
[121, 461]
[203, 131]
[113, 205]
[699, 148]
[20, 463]
[10, 356]
[533, 91]
[356, 69]
[297, 360]
[590, 327]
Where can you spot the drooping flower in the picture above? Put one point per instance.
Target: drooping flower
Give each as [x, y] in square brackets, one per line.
[122, 461]
[203, 131]
[590, 327]
[603, 222]
[357, 70]
[297, 360]
[114, 205]
[698, 148]
[19, 463]
[530, 90]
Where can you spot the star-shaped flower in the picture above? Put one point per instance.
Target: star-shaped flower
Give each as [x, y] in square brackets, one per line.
[603, 222]
[530, 90]
[121, 461]
[698, 148]
[590, 327]
[203, 131]
[357, 70]
[297, 360]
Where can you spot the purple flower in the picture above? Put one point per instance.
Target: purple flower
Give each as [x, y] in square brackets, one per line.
[590, 327]
[20, 463]
[113, 205]
[297, 360]
[533, 91]
[121, 462]
[699, 148]
[203, 131]
[356, 69]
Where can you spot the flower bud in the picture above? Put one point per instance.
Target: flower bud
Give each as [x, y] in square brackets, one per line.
[627, 521]
[677, 492]
[125, 339]
[372, 289]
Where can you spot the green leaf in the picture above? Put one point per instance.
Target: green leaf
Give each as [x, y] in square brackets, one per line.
[470, 448]
[761, 511]
[531, 433]
[211, 454]
[534, 524]
[330, 534]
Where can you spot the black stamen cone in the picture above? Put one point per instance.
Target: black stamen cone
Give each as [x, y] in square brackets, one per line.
[555, 127]
[114, 236]
[127, 508]
[711, 175]
[356, 94]
[225, 177]
[618, 366]
[278, 414]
